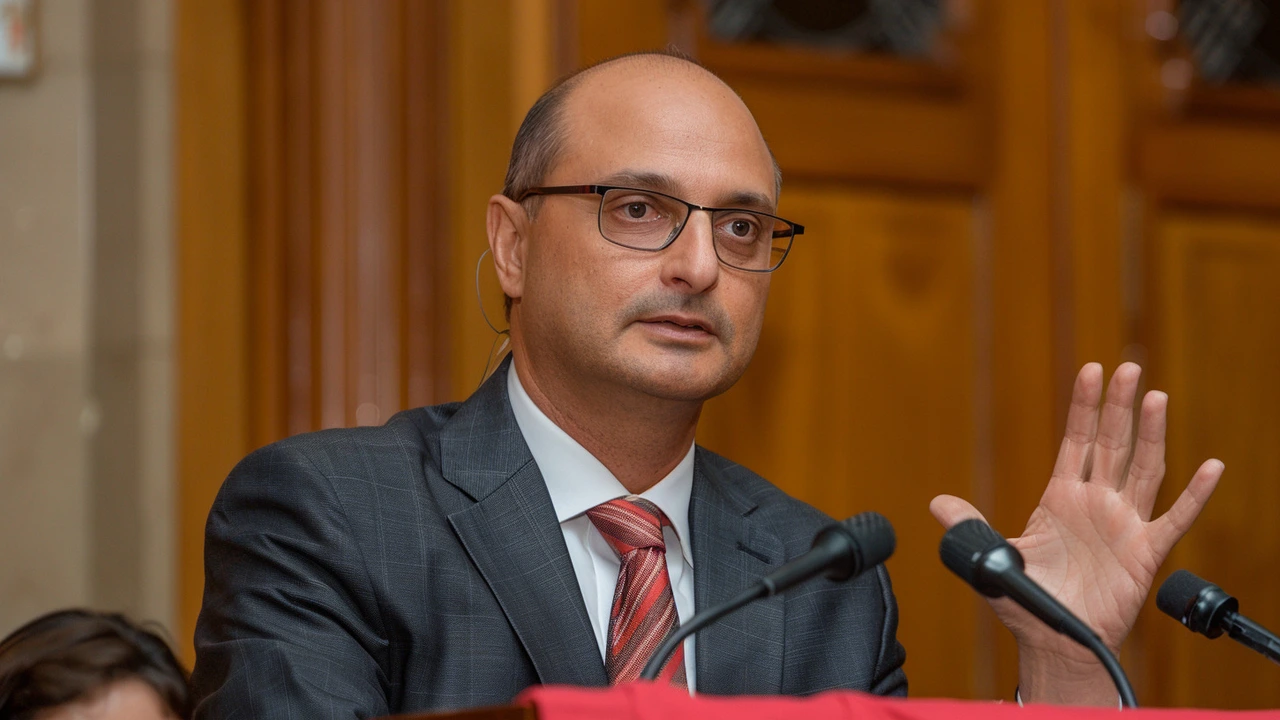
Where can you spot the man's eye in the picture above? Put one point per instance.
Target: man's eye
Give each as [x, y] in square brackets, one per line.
[740, 228]
[637, 210]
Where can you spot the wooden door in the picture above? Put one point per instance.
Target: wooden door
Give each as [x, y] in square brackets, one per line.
[1171, 147]
[1206, 144]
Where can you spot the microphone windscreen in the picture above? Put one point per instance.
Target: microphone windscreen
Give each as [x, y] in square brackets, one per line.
[1178, 593]
[874, 536]
[964, 545]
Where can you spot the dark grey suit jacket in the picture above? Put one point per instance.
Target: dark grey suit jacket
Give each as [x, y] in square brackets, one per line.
[419, 566]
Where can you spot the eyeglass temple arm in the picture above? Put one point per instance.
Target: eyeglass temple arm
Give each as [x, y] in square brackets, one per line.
[561, 190]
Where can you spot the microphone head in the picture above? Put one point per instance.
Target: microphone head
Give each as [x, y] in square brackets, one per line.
[967, 545]
[1195, 602]
[872, 539]
[1179, 593]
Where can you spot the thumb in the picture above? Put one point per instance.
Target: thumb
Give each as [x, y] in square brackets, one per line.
[949, 510]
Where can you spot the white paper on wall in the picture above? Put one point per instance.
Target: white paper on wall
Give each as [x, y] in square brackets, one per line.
[17, 38]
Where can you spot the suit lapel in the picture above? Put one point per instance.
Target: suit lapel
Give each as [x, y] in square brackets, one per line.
[742, 653]
[513, 537]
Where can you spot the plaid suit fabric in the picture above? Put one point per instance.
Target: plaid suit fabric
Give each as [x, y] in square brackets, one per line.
[644, 609]
[419, 566]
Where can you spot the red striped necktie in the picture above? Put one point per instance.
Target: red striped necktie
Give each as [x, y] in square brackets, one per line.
[644, 610]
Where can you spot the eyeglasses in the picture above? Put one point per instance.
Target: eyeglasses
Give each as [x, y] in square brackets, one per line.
[649, 220]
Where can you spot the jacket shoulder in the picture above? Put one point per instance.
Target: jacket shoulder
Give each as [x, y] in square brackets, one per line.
[794, 517]
[393, 455]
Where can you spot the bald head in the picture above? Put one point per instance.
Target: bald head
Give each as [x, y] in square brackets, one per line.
[548, 126]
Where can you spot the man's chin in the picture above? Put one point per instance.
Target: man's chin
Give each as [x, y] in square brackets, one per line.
[684, 392]
[682, 382]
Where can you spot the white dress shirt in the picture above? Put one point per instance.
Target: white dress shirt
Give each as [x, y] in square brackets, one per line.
[577, 482]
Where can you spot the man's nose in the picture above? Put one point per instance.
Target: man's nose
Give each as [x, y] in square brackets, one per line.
[691, 260]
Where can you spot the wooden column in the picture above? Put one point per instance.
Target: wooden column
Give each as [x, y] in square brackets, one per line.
[211, 226]
[312, 228]
[347, 231]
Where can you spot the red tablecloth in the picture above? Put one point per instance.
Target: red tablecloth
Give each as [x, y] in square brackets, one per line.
[645, 701]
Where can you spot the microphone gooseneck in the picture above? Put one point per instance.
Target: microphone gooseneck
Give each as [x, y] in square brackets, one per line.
[841, 551]
[993, 567]
[1207, 609]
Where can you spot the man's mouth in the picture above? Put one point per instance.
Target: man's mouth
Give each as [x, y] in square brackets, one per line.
[681, 324]
[672, 322]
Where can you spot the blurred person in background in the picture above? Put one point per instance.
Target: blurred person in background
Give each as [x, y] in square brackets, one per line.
[84, 664]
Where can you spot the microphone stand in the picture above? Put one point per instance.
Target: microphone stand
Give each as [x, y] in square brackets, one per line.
[1252, 635]
[840, 551]
[696, 623]
[1024, 591]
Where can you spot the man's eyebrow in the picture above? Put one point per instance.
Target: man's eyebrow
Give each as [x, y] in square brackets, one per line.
[662, 183]
[749, 201]
[643, 180]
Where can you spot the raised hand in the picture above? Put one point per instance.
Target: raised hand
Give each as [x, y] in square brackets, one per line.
[1092, 542]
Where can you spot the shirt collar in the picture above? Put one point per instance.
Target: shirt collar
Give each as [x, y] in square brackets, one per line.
[577, 481]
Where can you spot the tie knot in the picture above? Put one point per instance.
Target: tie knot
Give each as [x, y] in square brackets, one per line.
[629, 523]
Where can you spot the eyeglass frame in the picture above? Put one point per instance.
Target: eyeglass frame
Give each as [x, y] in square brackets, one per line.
[796, 228]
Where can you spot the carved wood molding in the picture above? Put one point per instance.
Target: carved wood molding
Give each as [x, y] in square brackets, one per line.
[348, 209]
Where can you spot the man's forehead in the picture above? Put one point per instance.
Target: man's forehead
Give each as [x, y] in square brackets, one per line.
[670, 120]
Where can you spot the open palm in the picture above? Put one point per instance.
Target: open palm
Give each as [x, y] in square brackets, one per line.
[1092, 542]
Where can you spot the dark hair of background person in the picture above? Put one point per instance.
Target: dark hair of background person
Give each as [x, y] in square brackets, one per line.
[68, 655]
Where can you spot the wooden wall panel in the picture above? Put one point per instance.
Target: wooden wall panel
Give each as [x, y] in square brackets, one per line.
[428, 247]
[1016, 415]
[313, 229]
[1222, 163]
[1215, 300]
[491, 77]
[349, 263]
[861, 394]
[918, 143]
[213, 384]
[376, 194]
[1091, 226]
[600, 30]
[1203, 163]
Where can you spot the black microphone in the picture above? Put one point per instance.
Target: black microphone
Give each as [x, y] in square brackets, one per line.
[1205, 608]
[993, 567]
[840, 551]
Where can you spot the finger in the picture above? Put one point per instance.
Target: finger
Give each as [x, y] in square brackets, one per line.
[1115, 428]
[1169, 528]
[949, 510]
[1082, 424]
[1146, 470]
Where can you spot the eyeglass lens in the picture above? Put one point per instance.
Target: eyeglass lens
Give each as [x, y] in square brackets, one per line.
[647, 221]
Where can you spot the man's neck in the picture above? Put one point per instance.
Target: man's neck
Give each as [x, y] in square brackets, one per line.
[640, 439]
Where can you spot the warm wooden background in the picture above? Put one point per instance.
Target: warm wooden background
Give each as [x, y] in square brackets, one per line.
[977, 229]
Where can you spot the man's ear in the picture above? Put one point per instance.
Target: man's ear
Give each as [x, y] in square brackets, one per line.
[508, 226]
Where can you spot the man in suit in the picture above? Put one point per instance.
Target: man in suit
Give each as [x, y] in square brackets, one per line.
[555, 525]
